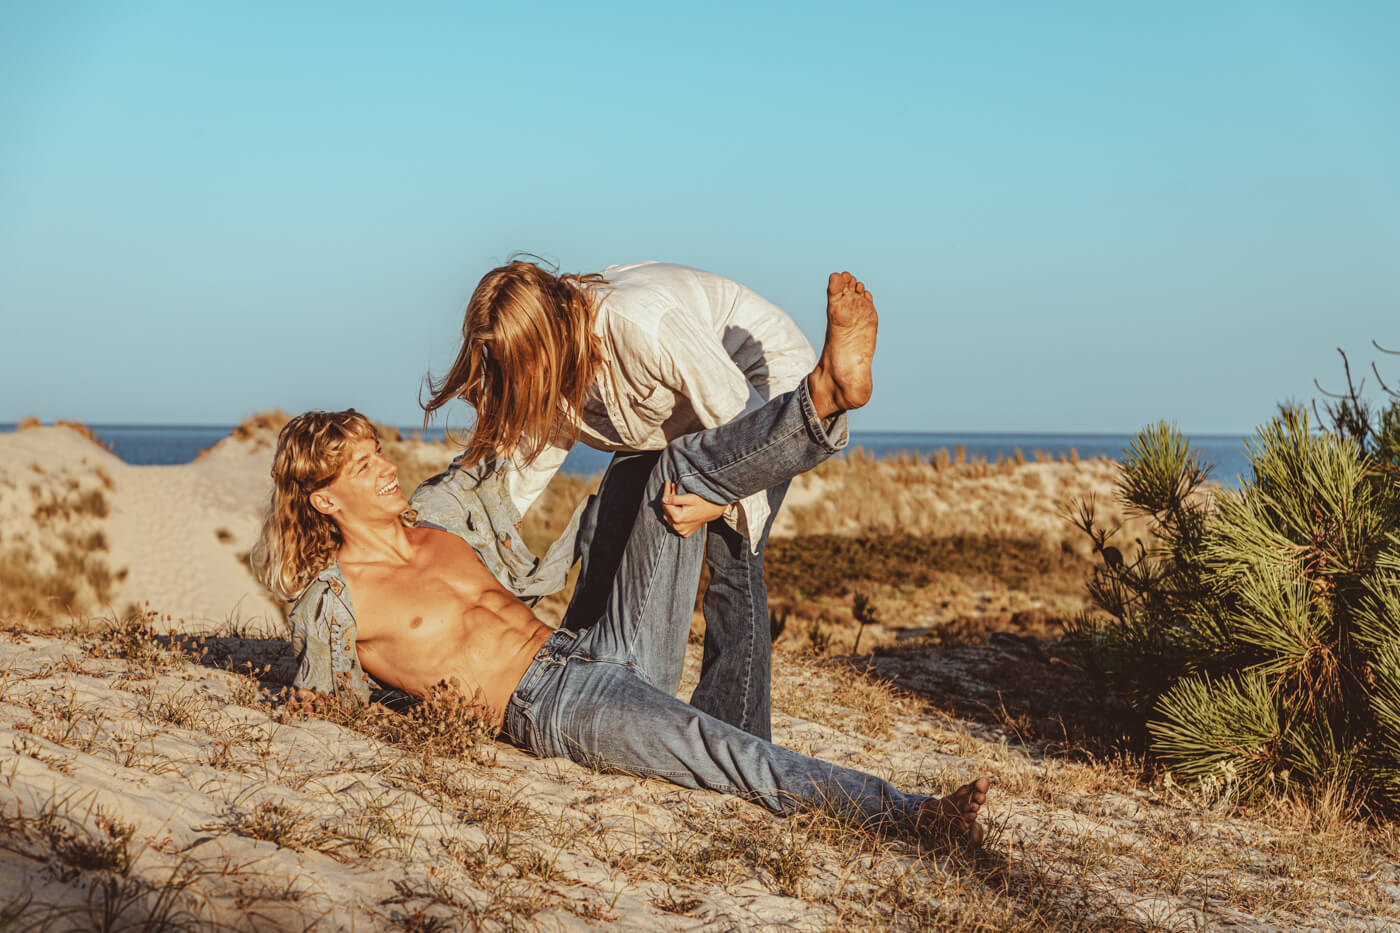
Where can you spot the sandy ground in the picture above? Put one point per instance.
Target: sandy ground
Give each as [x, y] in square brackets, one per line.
[119, 788]
[137, 784]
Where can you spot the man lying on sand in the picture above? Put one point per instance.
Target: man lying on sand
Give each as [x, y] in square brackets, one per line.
[427, 612]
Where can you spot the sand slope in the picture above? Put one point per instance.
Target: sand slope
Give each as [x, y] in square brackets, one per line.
[177, 531]
[245, 818]
[135, 783]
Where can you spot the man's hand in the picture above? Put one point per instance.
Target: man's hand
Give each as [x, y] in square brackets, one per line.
[687, 513]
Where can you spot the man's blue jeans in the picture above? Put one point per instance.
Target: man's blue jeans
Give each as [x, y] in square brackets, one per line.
[605, 697]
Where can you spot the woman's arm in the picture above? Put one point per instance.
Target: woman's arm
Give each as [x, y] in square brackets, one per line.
[693, 362]
[527, 480]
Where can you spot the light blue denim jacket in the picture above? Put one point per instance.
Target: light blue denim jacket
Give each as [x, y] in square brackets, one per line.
[473, 503]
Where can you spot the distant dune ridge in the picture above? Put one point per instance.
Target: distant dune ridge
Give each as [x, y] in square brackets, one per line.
[151, 778]
[173, 534]
[176, 536]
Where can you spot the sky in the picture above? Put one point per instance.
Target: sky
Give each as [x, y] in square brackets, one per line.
[1077, 217]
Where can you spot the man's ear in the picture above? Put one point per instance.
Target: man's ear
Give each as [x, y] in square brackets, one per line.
[323, 503]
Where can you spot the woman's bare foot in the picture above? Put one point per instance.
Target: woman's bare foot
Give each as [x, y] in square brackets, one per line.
[953, 819]
[842, 380]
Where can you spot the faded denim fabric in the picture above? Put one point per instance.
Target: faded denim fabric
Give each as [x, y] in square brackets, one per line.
[323, 639]
[735, 683]
[472, 503]
[604, 697]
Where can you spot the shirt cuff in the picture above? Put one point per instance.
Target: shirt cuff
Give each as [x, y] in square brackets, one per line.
[749, 516]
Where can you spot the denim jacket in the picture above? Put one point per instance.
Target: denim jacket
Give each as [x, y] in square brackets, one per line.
[473, 503]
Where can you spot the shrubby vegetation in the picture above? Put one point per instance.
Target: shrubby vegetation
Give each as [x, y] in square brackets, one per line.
[1257, 631]
[59, 566]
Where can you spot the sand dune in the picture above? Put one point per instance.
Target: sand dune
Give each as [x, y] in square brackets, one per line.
[181, 533]
[140, 782]
[178, 532]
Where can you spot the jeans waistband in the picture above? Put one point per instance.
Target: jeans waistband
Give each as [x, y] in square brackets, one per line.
[519, 713]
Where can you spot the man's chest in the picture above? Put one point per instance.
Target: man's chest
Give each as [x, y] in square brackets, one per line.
[408, 599]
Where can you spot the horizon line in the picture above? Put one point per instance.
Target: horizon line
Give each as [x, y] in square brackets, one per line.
[10, 426]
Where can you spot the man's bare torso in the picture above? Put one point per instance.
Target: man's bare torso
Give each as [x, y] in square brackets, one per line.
[440, 616]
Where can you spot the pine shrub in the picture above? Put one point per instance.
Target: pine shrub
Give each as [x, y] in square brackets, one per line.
[1257, 632]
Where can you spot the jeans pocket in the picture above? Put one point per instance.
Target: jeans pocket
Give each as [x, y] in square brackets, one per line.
[538, 747]
[538, 738]
[585, 713]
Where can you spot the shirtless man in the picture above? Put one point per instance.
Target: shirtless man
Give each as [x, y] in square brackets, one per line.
[427, 611]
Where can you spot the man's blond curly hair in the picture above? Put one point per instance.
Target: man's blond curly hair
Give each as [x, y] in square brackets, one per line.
[297, 541]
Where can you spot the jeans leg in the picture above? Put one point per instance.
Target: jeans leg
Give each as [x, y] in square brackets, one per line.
[648, 613]
[758, 450]
[603, 533]
[646, 621]
[736, 670]
[603, 715]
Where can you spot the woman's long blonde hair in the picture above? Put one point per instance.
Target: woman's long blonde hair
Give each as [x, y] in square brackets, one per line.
[527, 361]
[297, 541]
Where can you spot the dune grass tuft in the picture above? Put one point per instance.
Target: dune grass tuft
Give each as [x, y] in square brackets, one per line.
[60, 570]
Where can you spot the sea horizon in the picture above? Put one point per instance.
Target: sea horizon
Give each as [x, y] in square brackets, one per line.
[142, 444]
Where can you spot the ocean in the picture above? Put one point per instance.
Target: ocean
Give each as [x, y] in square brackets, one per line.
[148, 444]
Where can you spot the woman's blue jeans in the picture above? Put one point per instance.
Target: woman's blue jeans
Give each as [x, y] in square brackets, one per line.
[605, 696]
[736, 665]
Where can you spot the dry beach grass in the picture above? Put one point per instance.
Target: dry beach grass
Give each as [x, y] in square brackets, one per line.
[151, 776]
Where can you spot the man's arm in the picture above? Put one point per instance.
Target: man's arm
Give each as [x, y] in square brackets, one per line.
[474, 503]
[323, 640]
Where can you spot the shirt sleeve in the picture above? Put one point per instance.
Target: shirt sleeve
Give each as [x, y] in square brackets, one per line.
[311, 641]
[525, 481]
[696, 365]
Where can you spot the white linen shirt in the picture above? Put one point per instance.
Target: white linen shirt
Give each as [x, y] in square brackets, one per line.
[683, 350]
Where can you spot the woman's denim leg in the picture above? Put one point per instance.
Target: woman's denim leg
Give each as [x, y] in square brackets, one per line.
[606, 698]
[736, 670]
[601, 714]
[603, 532]
[647, 620]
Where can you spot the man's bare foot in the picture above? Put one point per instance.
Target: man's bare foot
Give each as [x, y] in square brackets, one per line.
[953, 819]
[842, 380]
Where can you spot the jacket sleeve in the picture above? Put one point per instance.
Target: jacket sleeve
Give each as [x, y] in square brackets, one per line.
[323, 640]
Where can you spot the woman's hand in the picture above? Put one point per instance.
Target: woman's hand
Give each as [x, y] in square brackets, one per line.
[687, 513]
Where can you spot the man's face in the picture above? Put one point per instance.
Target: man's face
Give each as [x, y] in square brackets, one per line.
[367, 487]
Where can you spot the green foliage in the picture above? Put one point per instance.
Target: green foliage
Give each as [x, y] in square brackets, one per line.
[1258, 631]
[1164, 614]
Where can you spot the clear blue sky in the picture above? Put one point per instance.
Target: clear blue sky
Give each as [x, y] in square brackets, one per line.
[1074, 217]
